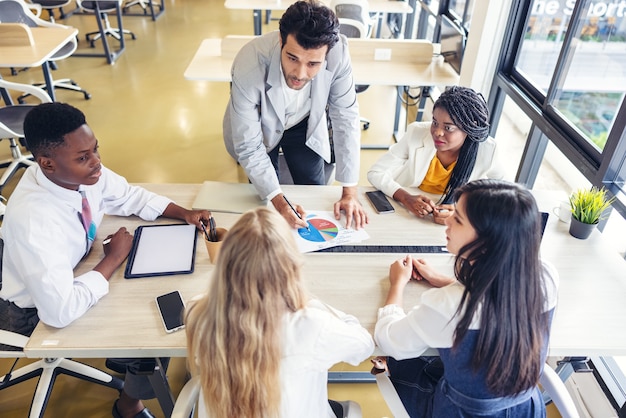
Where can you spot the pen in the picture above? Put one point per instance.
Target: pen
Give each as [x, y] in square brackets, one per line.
[296, 212]
[205, 233]
[213, 231]
[106, 241]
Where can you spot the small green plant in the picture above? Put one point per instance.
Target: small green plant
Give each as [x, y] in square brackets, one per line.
[589, 204]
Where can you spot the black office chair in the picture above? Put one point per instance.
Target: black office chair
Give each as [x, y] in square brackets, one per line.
[12, 345]
[354, 22]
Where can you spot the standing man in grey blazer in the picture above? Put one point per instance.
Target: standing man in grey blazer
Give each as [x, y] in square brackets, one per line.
[283, 83]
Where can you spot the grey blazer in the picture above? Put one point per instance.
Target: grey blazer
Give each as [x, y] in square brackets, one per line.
[255, 117]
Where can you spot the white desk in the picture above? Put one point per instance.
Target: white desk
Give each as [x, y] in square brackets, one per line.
[46, 43]
[125, 323]
[412, 64]
[257, 6]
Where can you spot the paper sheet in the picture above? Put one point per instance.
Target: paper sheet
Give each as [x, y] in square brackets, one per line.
[326, 232]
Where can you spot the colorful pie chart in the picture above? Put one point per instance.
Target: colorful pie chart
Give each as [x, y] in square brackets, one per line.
[320, 230]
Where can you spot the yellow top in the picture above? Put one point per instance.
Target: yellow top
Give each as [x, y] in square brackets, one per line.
[437, 177]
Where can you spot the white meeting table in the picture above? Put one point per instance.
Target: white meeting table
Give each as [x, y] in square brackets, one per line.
[379, 7]
[125, 323]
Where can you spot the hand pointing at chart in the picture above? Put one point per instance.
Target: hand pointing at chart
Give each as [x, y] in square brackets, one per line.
[293, 214]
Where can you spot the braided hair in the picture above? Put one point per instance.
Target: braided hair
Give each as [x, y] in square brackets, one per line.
[468, 110]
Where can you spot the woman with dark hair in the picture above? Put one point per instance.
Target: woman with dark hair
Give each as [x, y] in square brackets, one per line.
[490, 322]
[439, 156]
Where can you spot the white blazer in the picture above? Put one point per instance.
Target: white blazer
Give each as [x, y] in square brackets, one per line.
[406, 163]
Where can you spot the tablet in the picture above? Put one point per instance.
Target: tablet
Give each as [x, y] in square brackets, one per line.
[162, 250]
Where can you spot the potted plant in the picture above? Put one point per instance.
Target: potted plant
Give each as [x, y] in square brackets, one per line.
[588, 205]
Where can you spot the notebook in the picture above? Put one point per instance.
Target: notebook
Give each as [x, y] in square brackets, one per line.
[162, 250]
[227, 197]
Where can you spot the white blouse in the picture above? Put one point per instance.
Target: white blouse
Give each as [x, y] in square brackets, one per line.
[433, 321]
[314, 339]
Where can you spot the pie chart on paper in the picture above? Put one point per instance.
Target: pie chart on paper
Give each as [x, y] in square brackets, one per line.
[321, 230]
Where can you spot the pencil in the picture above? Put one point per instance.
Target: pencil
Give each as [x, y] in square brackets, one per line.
[212, 230]
[205, 233]
[296, 212]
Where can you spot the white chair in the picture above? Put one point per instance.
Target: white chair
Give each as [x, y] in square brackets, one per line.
[2, 206]
[190, 394]
[350, 11]
[187, 399]
[12, 129]
[18, 11]
[553, 386]
[550, 382]
[46, 369]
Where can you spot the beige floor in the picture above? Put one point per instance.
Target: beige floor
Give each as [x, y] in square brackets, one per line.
[155, 126]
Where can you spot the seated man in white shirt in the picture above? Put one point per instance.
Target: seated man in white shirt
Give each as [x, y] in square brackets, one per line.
[50, 224]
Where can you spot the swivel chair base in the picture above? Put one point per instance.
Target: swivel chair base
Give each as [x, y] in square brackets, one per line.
[64, 84]
[148, 7]
[92, 37]
[47, 370]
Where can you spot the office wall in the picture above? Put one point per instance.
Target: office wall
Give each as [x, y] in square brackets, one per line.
[483, 43]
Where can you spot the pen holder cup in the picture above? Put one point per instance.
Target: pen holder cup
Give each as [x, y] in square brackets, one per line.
[213, 247]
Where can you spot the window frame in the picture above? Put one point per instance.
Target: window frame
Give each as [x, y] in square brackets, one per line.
[600, 168]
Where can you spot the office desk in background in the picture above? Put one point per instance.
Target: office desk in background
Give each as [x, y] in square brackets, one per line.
[379, 7]
[411, 63]
[125, 323]
[46, 42]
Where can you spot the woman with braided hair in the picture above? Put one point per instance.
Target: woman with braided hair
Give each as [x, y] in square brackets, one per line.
[439, 156]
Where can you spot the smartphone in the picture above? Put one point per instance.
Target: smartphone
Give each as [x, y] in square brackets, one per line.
[380, 202]
[172, 308]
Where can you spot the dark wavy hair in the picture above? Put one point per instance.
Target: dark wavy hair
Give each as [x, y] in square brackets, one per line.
[468, 110]
[46, 125]
[502, 275]
[311, 23]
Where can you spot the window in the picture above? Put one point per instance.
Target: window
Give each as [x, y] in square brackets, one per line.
[589, 86]
[564, 63]
[462, 11]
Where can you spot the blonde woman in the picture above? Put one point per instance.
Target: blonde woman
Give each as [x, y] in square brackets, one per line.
[259, 345]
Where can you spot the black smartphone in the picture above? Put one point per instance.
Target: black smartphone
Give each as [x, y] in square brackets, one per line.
[380, 202]
[172, 308]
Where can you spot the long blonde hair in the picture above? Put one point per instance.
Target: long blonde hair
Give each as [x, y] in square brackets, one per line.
[234, 333]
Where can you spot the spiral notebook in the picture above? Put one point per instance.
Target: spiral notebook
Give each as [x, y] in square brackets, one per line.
[162, 250]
